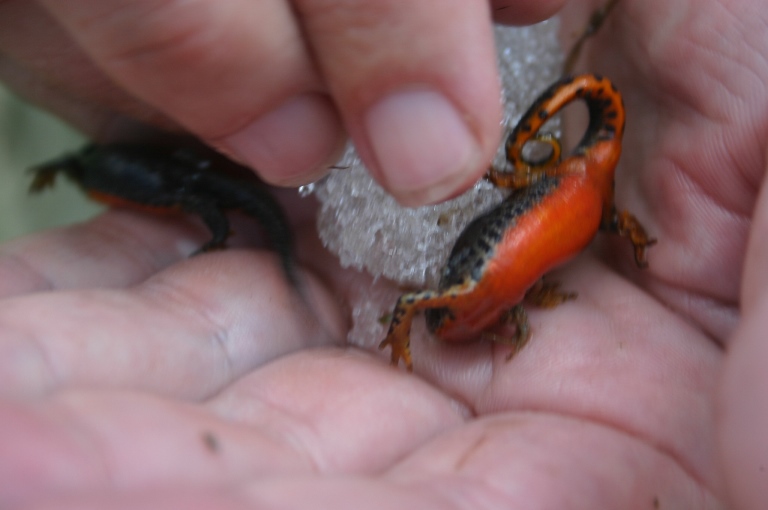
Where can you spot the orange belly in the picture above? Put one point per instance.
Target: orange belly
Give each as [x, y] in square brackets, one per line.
[549, 234]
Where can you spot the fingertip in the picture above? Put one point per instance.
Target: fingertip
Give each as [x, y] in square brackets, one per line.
[423, 149]
[293, 144]
[417, 86]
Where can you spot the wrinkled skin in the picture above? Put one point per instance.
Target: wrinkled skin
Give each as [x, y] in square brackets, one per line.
[153, 381]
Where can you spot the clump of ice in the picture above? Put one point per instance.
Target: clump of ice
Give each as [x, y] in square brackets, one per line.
[370, 231]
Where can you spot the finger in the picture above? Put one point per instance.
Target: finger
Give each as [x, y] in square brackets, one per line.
[417, 87]
[743, 407]
[526, 460]
[292, 418]
[41, 63]
[743, 412]
[235, 72]
[186, 331]
[117, 249]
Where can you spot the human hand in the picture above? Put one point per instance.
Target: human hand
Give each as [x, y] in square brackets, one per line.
[693, 79]
[611, 405]
[279, 84]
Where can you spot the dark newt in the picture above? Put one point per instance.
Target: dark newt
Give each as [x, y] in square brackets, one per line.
[164, 178]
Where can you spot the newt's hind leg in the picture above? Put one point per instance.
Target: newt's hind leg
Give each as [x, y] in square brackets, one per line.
[626, 225]
[542, 294]
[44, 177]
[216, 221]
[517, 317]
[548, 294]
[399, 334]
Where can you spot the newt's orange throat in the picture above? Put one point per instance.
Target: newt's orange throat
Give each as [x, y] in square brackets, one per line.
[552, 214]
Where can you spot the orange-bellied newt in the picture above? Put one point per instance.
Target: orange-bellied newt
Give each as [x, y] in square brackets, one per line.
[552, 214]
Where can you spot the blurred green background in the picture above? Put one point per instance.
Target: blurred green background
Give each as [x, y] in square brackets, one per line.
[29, 136]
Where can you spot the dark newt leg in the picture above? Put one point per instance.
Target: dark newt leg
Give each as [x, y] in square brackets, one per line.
[44, 176]
[216, 221]
[256, 201]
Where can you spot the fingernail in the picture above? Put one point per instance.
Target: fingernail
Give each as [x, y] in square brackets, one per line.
[292, 144]
[422, 146]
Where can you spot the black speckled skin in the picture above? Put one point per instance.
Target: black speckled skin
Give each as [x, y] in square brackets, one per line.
[176, 178]
[477, 243]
